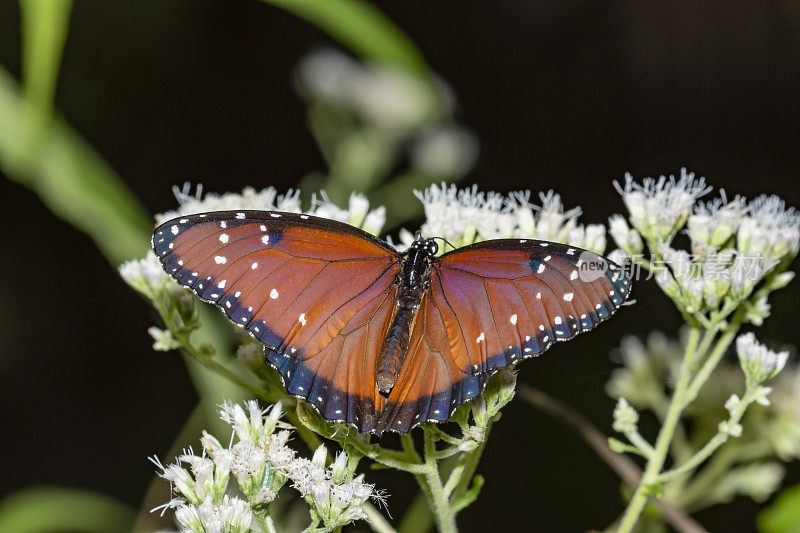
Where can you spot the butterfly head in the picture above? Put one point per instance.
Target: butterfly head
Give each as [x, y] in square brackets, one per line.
[426, 246]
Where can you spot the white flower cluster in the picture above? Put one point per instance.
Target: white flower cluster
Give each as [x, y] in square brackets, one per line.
[734, 244]
[659, 207]
[261, 462]
[769, 229]
[357, 213]
[266, 199]
[334, 494]
[464, 216]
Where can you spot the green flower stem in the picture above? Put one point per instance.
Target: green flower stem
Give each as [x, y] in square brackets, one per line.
[714, 358]
[269, 526]
[376, 520]
[470, 465]
[656, 461]
[717, 466]
[408, 446]
[685, 392]
[440, 503]
[644, 448]
[398, 460]
[713, 444]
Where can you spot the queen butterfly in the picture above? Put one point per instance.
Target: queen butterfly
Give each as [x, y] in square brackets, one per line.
[377, 338]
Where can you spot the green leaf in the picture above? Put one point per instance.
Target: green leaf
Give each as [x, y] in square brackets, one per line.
[46, 509]
[783, 516]
[71, 179]
[361, 27]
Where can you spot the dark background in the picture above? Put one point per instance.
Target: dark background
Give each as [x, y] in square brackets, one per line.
[563, 95]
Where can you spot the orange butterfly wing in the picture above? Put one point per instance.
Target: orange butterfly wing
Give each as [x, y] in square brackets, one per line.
[317, 293]
[490, 305]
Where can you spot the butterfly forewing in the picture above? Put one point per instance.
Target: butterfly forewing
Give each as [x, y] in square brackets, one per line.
[317, 293]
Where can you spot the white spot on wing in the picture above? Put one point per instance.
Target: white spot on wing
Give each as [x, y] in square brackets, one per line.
[254, 266]
[222, 283]
[265, 239]
[302, 319]
[273, 294]
[568, 296]
[220, 259]
[223, 238]
[174, 230]
[513, 319]
[574, 275]
[481, 337]
[540, 269]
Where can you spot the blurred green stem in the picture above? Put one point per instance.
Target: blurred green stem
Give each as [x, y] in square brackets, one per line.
[44, 30]
[418, 517]
[655, 463]
[360, 26]
[685, 392]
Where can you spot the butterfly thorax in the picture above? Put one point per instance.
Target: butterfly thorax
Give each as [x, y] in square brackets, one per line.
[414, 280]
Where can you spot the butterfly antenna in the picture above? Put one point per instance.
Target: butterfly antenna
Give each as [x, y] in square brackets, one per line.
[448, 243]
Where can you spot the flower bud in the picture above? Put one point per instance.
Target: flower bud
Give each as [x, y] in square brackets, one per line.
[758, 363]
[625, 417]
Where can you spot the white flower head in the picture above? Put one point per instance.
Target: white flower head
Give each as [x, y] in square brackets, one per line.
[758, 362]
[627, 238]
[747, 270]
[163, 339]
[667, 282]
[714, 222]
[264, 200]
[336, 496]
[145, 275]
[770, 229]
[451, 213]
[375, 220]
[230, 515]
[553, 222]
[658, 208]
[357, 213]
[619, 257]
[304, 474]
[201, 480]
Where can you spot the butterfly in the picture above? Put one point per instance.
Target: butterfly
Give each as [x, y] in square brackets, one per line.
[380, 339]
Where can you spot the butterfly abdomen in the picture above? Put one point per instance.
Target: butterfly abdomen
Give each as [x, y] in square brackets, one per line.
[395, 344]
[414, 281]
